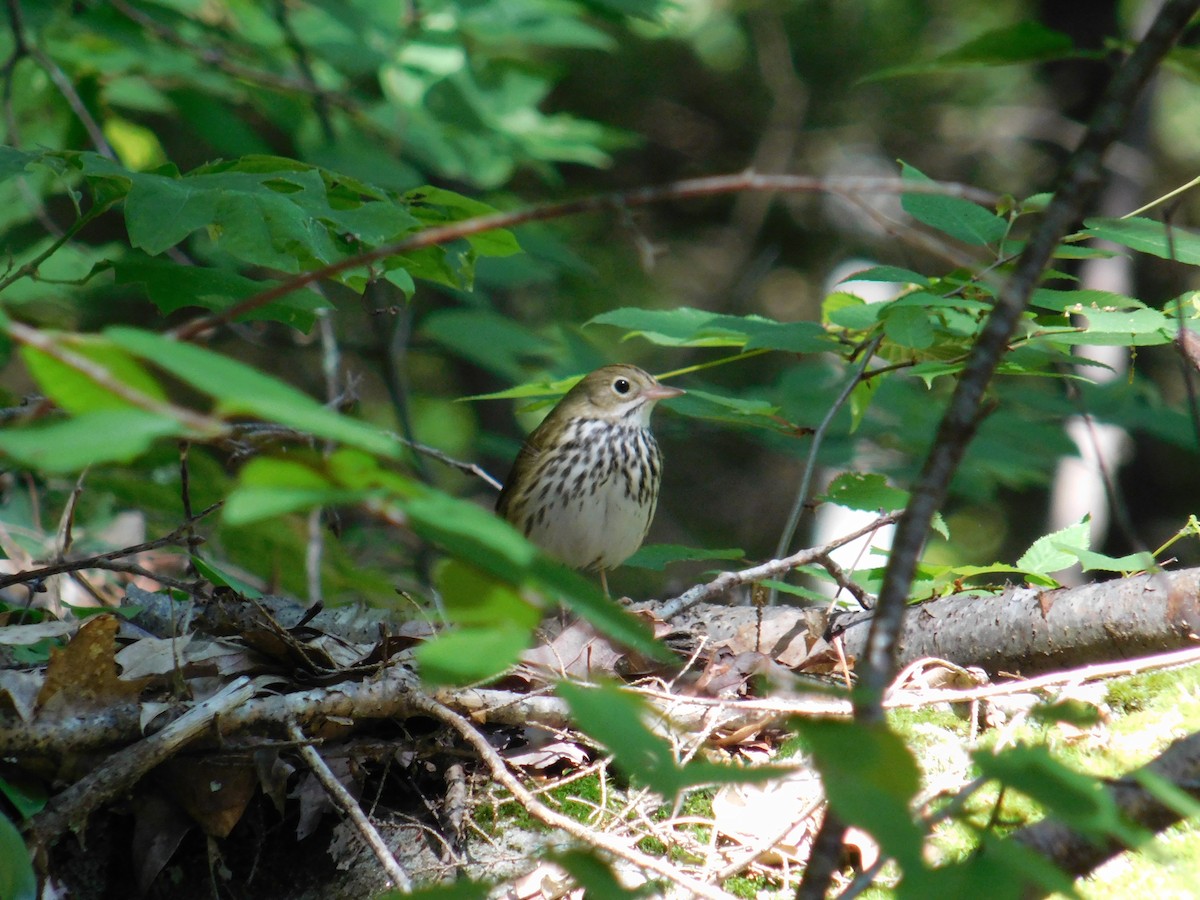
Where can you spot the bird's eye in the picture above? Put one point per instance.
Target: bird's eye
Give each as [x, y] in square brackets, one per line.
[621, 386]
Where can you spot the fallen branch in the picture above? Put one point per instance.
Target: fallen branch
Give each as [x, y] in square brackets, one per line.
[120, 772]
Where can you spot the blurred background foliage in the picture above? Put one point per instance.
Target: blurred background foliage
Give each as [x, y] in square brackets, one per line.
[519, 102]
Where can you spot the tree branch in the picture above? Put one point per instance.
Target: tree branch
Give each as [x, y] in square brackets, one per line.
[679, 190]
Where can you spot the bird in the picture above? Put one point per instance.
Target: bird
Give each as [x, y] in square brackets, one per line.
[584, 486]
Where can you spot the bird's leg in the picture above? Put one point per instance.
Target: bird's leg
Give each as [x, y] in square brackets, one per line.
[604, 583]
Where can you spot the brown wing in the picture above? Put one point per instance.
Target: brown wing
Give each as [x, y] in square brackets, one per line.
[521, 467]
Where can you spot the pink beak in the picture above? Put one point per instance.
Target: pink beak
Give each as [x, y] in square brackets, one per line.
[662, 392]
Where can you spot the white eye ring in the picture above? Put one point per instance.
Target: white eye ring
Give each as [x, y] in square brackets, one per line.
[621, 386]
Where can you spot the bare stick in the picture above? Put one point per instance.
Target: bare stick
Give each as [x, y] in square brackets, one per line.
[726, 581]
[342, 800]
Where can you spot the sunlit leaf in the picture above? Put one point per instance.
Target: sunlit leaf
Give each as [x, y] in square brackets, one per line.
[1076, 799]
[1044, 555]
[870, 778]
[658, 556]
[958, 218]
[465, 655]
[242, 389]
[614, 718]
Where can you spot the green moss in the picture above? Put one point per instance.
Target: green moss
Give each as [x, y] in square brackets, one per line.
[746, 886]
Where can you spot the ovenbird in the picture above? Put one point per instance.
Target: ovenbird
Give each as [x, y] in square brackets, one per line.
[585, 484]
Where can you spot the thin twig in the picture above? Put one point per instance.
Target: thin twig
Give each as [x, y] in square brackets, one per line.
[761, 846]
[810, 464]
[341, 798]
[60, 80]
[726, 581]
[694, 188]
[94, 562]
[66, 524]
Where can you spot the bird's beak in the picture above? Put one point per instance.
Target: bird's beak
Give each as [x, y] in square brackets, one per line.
[663, 392]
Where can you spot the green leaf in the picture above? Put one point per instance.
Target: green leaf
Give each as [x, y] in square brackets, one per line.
[1076, 799]
[487, 339]
[1148, 236]
[1046, 556]
[222, 577]
[889, 274]
[1167, 793]
[172, 287]
[106, 435]
[269, 487]
[658, 556]
[870, 778]
[1072, 712]
[1081, 300]
[686, 327]
[998, 870]
[438, 206]
[241, 389]
[583, 597]
[908, 326]
[27, 794]
[472, 533]
[1142, 561]
[74, 390]
[17, 878]
[596, 878]
[1027, 41]
[868, 492]
[530, 389]
[961, 219]
[467, 655]
[475, 598]
[614, 718]
[14, 161]
[700, 404]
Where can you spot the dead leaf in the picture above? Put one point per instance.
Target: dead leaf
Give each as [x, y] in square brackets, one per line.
[158, 829]
[20, 635]
[152, 656]
[771, 815]
[547, 753]
[577, 650]
[82, 677]
[868, 849]
[22, 689]
[214, 792]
